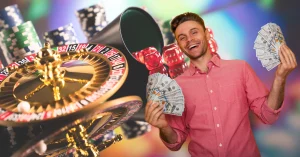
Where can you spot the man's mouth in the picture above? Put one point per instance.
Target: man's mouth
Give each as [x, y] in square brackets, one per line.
[190, 47]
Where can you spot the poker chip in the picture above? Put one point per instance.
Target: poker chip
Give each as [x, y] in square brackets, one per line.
[63, 35]
[165, 28]
[133, 129]
[92, 20]
[167, 33]
[10, 16]
[19, 41]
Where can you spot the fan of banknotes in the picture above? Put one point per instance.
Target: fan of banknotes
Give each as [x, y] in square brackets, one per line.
[166, 91]
[267, 45]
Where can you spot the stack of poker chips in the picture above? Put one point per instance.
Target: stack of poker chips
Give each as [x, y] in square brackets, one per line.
[165, 28]
[132, 129]
[167, 33]
[64, 35]
[10, 16]
[20, 41]
[174, 58]
[92, 20]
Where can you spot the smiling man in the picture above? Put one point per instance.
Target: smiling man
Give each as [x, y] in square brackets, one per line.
[218, 97]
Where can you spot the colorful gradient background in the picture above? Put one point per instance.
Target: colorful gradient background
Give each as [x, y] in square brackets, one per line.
[235, 24]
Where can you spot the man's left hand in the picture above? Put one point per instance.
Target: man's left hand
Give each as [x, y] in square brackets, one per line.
[288, 62]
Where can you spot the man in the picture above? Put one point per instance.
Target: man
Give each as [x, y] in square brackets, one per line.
[218, 96]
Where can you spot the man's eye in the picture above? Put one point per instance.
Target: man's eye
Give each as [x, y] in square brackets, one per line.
[182, 38]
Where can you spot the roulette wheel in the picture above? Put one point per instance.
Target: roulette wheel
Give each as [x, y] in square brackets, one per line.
[66, 89]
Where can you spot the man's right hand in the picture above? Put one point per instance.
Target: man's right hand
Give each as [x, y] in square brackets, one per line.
[154, 115]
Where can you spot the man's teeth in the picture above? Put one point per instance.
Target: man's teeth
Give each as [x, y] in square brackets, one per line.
[192, 46]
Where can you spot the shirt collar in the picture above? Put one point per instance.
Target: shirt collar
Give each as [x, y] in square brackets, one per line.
[215, 60]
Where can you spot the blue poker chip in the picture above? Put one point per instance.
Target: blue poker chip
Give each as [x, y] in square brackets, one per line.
[63, 29]
[91, 31]
[54, 42]
[61, 36]
[133, 129]
[92, 19]
[60, 33]
[10, 16]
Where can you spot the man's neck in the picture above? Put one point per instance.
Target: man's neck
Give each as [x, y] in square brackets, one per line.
[201, 63]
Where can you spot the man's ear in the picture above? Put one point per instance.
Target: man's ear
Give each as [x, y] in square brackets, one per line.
[207, 34]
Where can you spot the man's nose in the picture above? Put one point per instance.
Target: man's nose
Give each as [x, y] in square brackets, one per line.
[189, 38]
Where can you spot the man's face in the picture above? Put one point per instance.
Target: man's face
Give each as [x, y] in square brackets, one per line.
[192, 39]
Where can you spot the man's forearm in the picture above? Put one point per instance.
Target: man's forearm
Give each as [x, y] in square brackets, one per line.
[276, 95]
[168, 135]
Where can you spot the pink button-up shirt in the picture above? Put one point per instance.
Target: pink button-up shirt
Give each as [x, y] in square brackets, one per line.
[217, 104]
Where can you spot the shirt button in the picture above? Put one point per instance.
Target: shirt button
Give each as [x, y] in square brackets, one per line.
[206, 76]
[220, 145]
[211, 91]
[218, 125]
[215, 108]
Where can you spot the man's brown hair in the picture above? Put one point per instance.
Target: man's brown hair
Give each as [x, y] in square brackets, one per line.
[188, 16]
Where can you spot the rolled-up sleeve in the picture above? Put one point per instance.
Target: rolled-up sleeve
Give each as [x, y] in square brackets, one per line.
[257, 95]
[178, 125]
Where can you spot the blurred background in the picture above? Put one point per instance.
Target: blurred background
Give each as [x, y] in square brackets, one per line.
[235, 24]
